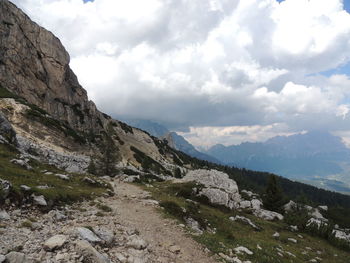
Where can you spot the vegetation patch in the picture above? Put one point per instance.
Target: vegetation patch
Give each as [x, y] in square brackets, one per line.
[222, 235]
[59, 191]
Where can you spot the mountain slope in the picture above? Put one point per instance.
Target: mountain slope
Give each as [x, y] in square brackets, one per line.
[316, 157]
[174, 140]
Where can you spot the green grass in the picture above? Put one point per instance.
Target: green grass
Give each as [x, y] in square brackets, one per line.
[59, 191]
[230, 235]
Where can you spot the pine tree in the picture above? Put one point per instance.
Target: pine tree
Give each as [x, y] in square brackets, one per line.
[274, 197]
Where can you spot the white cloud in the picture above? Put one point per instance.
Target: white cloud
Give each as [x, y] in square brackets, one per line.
[218, 63]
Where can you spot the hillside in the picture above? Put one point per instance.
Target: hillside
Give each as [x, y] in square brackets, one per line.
[77, 185]
[318, 158]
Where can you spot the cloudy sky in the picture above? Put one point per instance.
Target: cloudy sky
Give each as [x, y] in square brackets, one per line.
[221, 71]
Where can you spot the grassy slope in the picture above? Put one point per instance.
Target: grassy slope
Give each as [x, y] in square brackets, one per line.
[230, 234]
[60, 190]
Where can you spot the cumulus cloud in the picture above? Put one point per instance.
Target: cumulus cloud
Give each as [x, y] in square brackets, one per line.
[209, 64]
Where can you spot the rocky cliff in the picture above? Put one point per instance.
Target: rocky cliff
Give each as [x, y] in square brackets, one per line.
[35, 66]
[47, 107]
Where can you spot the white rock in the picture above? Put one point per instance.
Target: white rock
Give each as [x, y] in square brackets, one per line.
[55, 242]
[218, 187]
[39, 200]
[245, 204]
[241, 249]
[292, 240]
[137, 243]
[293, 228]
[290, 206]
[89, 253]
[175, 249]
[25, 187]
[63, 176]
[88, 235]
[341, 235]
[256, 204]
[2, 258]
[276, 234]
[246, 221]
[57, 215]
[323, 207]
[194, 225]
[315, 213]
[16, 257]
[267, 215]
[5, 187]
[315, 222]
[4, 215]
[105, 234]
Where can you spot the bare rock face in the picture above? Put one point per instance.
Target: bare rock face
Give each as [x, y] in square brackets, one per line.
[35, 66]
[218, 187]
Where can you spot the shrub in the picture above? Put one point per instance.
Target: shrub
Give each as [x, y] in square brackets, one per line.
[172, 208]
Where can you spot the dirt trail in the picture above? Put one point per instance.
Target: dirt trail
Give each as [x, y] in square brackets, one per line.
[136, 211]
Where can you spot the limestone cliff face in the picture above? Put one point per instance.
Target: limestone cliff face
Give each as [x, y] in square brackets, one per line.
[35, 65]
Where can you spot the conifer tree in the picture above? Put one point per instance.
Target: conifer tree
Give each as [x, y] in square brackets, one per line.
[274, 197]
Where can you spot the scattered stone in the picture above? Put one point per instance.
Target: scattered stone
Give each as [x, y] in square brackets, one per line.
[245, 221]
[57, 215]
[323, 207]
[276, 235]
[136, 242]
[106, 235]
[23, 163]
[39, 200]
[292, 240]
[194, 225]
[256, 204]
[290, 254]
[241, 249]
[88, 235]
[55, 242]
[218, 187]
[268, 215]
[293, 228]
[89, 180]
[16, 257]
[25, 188]
[175, 249]
[4, 215]
[89, 253]
[258, 247]
[290, 206]
[245, 204]
[63, 176]
[5, 187]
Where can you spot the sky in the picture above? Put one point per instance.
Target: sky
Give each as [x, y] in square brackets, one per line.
[217, 71]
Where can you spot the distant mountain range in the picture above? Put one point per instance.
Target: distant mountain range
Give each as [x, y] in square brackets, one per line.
[174, 140]
[318, 158]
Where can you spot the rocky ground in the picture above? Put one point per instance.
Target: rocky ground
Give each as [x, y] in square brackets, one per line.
[123, 228]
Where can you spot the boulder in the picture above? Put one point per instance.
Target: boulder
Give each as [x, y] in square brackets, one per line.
[290, 206]
[4, 215]
[63, 176]
[293, 240]
[55, 242]
[246, 221]
[39, 200]
[5, 188]
[25, 188]
[338, 234]
[241, 249]
[245, 204]
[256, 204]
[89, 253]
[105, 234]
[88, 235]
[57, 215]
[2, 258]
[16, 257]
[217, 187]
[137, 243]
[276, 235]
[8, 134]
[194, 225]
[267, 215]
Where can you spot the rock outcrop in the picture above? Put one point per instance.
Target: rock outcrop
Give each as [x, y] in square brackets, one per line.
[35, 65]
[217, 187]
